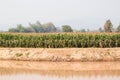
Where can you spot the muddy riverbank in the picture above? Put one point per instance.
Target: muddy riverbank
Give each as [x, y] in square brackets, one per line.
[8, 67]
[60, 54]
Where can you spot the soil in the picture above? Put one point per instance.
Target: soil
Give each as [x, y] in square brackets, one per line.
[61, 54]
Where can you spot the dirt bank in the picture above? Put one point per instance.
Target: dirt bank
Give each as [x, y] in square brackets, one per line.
[60, 54]
[9, 67]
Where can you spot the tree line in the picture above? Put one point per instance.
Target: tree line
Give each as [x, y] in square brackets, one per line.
[37, 27]
[50, 27]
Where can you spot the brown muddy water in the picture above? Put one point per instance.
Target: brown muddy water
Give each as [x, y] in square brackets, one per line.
[29, 70]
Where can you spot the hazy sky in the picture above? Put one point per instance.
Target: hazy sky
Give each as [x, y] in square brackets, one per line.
[77, 13]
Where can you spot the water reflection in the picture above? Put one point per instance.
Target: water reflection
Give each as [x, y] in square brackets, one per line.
[25, 70]
[39, 77]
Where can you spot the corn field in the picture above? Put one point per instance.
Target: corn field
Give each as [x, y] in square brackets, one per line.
[60, 40]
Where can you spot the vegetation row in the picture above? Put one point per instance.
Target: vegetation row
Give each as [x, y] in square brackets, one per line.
[60, 40]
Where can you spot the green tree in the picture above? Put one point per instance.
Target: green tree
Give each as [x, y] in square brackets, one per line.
[20, 28]
[66, 28]
[29, 29]
[118, 28]
[108, 26]
[100, 29]
[82, 30]
[13, 30]
[49, 27]
[37, 27]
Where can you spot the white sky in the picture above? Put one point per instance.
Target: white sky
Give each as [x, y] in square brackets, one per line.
[79, 14]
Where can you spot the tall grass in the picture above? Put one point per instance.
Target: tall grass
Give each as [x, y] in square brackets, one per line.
[60, 40]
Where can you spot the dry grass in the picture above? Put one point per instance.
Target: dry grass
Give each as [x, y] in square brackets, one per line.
[71, 33]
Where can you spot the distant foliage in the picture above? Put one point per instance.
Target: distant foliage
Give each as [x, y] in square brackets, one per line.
[60, 40]
[118, 28]
[50, 27]
[108, 26]
[101, 30]
[36, 28]
[66, 28]
[82, 30]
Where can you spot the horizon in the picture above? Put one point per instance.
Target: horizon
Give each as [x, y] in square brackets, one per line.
[79, 14]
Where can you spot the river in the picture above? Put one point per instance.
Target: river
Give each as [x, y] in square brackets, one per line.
[30, 70]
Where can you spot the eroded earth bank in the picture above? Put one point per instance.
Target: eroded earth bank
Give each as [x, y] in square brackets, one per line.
[60, 54]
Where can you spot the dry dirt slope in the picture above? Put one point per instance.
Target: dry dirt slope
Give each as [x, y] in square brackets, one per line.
[60, 54]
